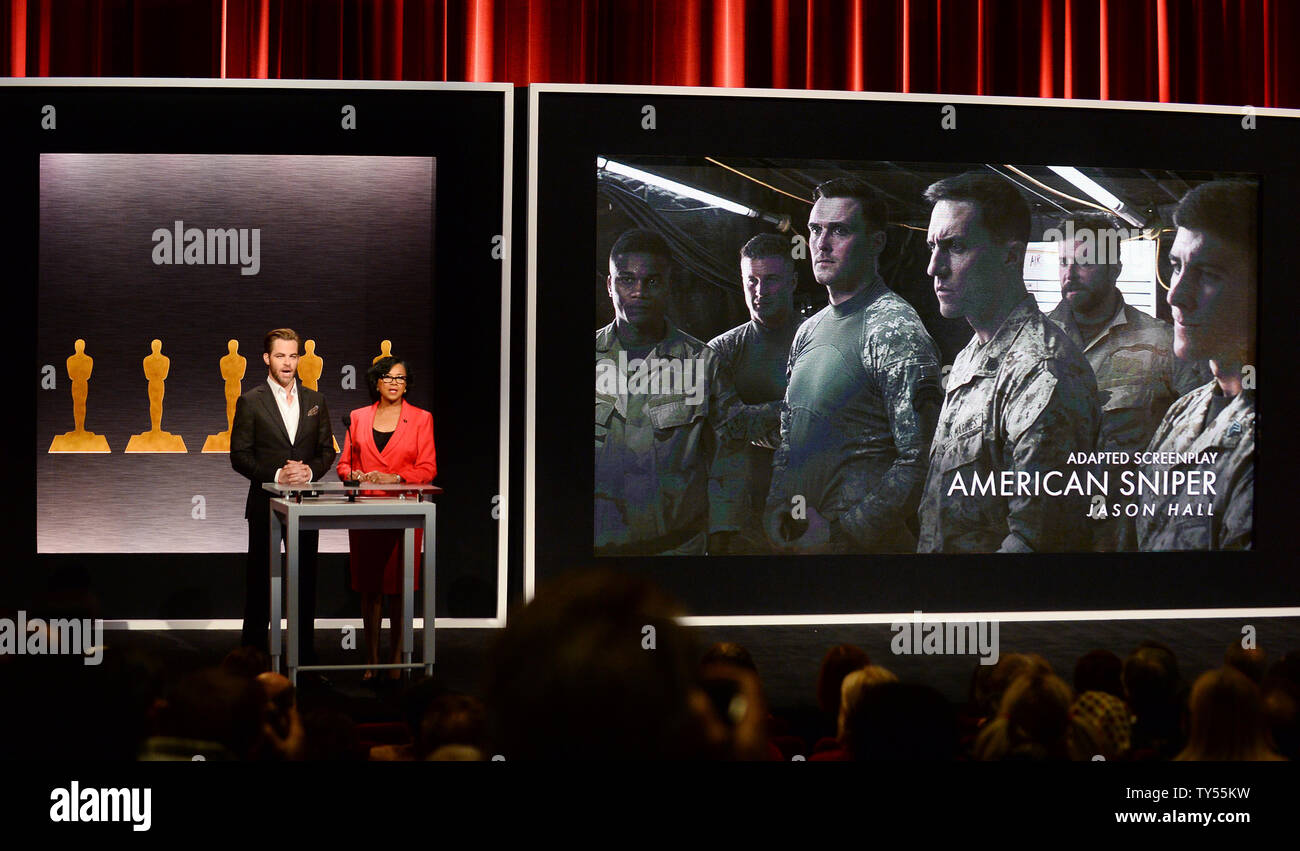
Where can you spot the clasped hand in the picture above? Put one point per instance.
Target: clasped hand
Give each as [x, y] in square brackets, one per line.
[376, 477]
[295, 473]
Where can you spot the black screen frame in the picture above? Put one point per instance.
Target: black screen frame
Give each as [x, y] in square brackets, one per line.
[571, 125]
[468, 129]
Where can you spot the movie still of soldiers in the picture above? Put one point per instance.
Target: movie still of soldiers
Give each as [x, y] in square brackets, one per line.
[835, 358]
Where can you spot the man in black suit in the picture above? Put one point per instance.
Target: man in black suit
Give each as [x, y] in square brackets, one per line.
[281, 433]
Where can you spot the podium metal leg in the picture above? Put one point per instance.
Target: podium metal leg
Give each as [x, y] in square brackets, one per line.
[429, 597]
[277, 587]
[291, 556]
[408, 593]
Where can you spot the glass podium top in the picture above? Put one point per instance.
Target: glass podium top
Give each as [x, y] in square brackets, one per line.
[340, 489]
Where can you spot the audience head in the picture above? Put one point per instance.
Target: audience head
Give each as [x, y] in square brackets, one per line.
[1108, 717]
[1099, 670]
[1227, 719]
[571, 677]
[990, 690]
[1252, 662]
[1151, 680]
[855, 686]
[246, 661]
[452, 725]
[330, 736]
[218, 708]
[1033, 721]
[416, 701]
[729, 653]
[901, 721]
[838, 662]
[1281, 692]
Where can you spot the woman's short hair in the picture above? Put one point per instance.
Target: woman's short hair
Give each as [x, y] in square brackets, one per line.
[379, 369]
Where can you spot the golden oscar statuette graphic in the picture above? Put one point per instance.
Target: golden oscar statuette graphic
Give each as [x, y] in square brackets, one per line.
[155, 439]
[385, 351]
[310, 368]
[79, 440]
[232, 370]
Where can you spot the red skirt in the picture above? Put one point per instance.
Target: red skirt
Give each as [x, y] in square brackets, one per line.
[376, 558]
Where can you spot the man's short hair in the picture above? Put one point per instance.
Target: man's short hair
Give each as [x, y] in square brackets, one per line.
[278, 334]
[1105, 230]
[640, 241]
[874, 210]
[1002, 209]
[767, 245]
[1089, 220]
[1225, 208]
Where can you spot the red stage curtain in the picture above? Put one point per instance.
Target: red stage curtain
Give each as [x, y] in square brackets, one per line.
[1198, 51]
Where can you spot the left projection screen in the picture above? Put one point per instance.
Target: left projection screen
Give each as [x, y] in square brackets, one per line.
[159, 276]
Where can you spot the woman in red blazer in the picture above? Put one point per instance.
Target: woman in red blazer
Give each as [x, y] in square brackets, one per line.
[389, 442]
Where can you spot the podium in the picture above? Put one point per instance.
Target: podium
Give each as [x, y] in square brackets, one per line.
[334, 505]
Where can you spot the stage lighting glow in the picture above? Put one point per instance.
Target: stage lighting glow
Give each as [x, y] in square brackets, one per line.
[1098, 192]
[677, 188]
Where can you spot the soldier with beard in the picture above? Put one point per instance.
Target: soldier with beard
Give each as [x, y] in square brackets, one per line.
[1131, 353]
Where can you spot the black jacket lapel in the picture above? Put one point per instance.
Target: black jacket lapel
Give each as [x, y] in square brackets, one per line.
[273, 411]
[305, 440]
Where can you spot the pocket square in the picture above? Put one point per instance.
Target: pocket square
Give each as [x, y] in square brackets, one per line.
[314, 409]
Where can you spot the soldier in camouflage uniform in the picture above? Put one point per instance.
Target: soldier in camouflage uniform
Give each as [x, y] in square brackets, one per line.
[862, 398]
[1212, 294]
[656, 492]
[1020, 397]
[1131, 354]
[756, 355]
